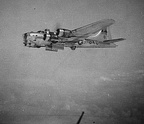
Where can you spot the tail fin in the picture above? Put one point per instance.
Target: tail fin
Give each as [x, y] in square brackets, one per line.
[109, 33]
[106, 34]
[102, 35]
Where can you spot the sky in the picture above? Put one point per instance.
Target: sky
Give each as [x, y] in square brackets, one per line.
[39, 87]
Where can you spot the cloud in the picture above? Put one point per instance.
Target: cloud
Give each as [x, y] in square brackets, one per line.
[105, 78]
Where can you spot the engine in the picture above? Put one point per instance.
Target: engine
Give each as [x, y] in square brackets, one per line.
[64, 33]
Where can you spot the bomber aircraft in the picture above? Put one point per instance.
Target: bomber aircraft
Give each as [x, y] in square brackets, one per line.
[94, 35]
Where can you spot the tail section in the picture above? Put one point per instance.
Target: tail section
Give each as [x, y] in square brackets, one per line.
[102, 35]
[109, 37]
[105, 34]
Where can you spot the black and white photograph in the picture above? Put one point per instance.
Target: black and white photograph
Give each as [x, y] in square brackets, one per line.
[71, 61]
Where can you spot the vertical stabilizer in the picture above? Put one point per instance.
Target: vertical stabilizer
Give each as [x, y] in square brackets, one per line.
[102, 35]
[109, 33]
[106, 33]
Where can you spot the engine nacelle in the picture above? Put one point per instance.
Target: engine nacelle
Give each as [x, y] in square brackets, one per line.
[64, 33]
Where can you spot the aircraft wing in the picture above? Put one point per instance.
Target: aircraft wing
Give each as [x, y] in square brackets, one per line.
[88, 30]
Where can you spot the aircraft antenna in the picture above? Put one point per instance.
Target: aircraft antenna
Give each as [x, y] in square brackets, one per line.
[79, 120]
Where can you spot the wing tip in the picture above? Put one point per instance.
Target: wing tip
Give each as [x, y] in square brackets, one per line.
[112, 21]
[123, 39]
[109, 20]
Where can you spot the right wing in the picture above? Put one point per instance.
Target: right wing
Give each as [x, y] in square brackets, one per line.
[88, 30]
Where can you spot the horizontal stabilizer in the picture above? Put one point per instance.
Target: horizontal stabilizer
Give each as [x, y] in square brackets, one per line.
[113, 40]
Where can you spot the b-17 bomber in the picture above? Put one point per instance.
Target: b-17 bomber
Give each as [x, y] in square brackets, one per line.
[94, 35]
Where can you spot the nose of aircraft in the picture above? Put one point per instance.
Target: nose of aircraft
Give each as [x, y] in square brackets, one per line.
[25, 39]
